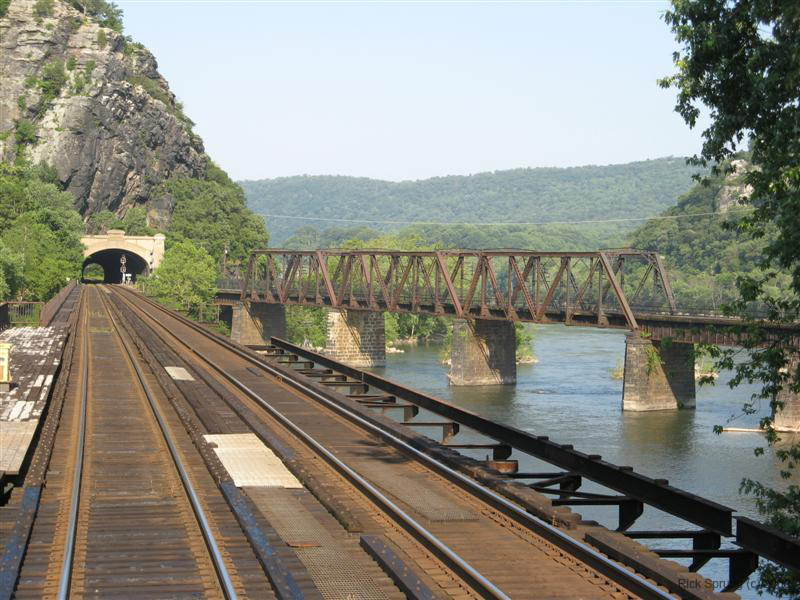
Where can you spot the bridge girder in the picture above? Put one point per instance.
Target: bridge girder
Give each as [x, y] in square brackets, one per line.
[588, 288]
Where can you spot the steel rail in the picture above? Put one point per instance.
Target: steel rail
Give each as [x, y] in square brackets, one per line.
[72, 526]
[211, 543]
[631, 581]
[478, 581]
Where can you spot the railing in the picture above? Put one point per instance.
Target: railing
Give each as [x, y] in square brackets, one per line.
[24, 313]
[229, 283]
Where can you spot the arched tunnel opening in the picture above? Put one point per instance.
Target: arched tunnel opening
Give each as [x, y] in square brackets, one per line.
[111, 263]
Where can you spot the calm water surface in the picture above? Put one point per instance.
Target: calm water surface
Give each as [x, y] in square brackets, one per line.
[570, 396]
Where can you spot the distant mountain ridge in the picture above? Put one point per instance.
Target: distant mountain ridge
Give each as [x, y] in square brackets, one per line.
[633, 190]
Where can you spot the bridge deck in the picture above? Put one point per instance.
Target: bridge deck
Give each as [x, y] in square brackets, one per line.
[176, 419]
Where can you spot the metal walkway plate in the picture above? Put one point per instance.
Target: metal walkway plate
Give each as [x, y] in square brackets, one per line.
[179, 373]
[337, 575]
[250, 462]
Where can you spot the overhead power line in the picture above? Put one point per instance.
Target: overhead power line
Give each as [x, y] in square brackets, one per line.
[483, 224]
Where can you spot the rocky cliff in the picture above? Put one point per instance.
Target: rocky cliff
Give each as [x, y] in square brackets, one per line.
[88, 101]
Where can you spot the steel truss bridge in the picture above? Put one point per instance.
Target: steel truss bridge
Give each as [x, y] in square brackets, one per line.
[623, 288]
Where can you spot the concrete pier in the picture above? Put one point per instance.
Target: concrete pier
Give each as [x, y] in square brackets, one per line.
[484, 352]
[787, 419]
[254, 323]
[356, 338]
[658, 375]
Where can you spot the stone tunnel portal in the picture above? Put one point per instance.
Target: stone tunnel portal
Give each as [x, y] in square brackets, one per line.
[110, 260]
[142, 254]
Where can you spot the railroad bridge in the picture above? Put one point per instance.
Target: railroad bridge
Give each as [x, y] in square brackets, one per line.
[487, 292]
[153, 457]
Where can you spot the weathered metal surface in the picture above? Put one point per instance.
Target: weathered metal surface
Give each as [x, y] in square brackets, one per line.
[624, 289]
[656, 493]
[398, 570]
[14, 548]
[300, 410]
[768, 542]
[536, 287]
[53, 306]
[284, 584]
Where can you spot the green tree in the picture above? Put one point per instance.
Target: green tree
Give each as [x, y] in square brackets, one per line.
[186, 279]
[11, 267]
[39, 225]
[215, 217]
[101, 221]
[45, 266]
[740, 60]
[135, 222]
[107, 14]
[306, 325]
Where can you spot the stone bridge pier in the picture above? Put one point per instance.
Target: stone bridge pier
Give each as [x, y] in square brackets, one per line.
[254, 323]
[658, 375]
[356, 338]
[787, 419]
[484, 352]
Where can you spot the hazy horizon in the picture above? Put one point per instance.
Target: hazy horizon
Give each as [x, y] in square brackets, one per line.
[486, 172]
[408, 91]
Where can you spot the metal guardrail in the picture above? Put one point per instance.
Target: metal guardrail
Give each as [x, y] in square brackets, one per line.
[24, 313]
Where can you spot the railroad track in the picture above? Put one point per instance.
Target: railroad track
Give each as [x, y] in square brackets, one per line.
[483, 544]
[120, 511]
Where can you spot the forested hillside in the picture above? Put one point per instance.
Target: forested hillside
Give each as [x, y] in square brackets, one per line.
[703, 256]
[543, 195]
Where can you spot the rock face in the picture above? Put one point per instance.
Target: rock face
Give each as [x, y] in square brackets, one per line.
[93, 105]
[734, 192]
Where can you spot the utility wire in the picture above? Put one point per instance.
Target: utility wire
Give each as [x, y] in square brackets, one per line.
[483, 224]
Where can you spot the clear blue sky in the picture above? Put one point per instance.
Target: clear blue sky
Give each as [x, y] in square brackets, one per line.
[400, 90]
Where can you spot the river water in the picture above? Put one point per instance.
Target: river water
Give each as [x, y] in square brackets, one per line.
[570, 396]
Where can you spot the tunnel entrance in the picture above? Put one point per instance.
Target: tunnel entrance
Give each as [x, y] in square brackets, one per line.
[111, 262]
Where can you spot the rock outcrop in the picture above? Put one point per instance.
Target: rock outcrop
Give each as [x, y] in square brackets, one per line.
[92, 104]
[734, 191]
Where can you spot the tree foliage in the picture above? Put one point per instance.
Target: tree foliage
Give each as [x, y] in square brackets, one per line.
[741, 60]
[185, 280]
[214, 216]
[638, 189]
[704, 254]
[40, 232]
[107, 14]
[133, 223]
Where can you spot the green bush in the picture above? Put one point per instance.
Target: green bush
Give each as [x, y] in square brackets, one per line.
[71, 62]
[107, 14]
[186, 279]
[43, 8]
[4, 4]
[53, 78]
[102, 39]
[25, 132]
[79, 84]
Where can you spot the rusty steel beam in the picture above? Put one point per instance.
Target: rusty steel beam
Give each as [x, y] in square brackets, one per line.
[527, 286]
